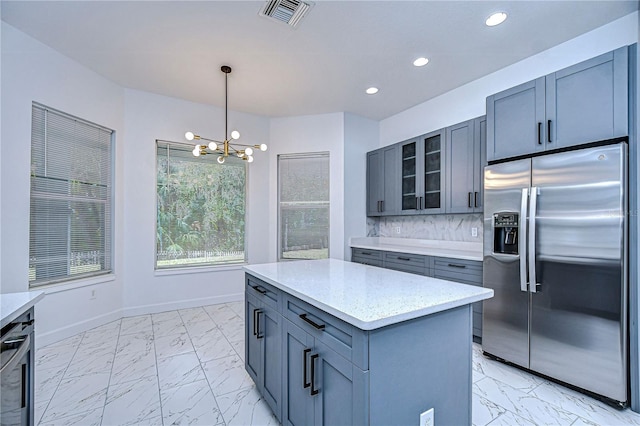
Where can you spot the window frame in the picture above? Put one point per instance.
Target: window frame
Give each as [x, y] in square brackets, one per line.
[109, 203]
[197, 267]
[300, 155]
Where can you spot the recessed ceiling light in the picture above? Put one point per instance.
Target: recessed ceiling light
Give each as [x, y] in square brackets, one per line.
[420, 62]
[496, 19]
[372, 90]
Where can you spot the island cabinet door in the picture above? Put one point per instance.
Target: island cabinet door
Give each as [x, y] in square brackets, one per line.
[270, 335]
[339, 389]
[253, 365]
[297, 345]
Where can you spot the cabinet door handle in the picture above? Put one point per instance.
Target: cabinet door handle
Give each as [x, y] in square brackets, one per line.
[382, 206]
[469, 200]
[417, 203]
[475, 199]
[453, 265]
[314, 391]
[549, 130]
[259, 289]
[539, 133]
[305, 383]
[256, 332]
[308, 321]
[404, 258]
[421, 207]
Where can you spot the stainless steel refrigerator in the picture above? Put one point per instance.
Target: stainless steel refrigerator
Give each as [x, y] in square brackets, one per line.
[555, 254]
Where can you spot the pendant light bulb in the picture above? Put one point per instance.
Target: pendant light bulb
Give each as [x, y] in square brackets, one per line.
[249, 159]
[221, 159]
[213, 146]
[235, 135]
[263, 147]
[248, 151]
[196, 151]
[189, 136]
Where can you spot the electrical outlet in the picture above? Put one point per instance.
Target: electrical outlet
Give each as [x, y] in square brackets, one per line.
[474, 232]
[397, 229]
[93, 294]
[426, 418]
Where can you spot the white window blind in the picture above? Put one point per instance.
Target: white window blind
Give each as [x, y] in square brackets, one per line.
[303, 199]
[71, 197]
[200, 208]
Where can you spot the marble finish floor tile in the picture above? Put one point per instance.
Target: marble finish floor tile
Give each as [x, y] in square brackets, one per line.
[186, 367]
[191, 404]
[132, 403]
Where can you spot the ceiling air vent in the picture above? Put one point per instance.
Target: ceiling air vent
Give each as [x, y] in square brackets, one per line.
[290, 12]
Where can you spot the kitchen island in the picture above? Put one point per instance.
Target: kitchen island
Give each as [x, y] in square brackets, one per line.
[333, 342]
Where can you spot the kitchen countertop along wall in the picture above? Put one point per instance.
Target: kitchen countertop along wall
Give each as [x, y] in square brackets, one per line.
[452, 249]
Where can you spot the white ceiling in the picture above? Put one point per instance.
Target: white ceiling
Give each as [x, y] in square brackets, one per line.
[340, 48]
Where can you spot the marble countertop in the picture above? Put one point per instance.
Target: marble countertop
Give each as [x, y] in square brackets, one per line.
[453, 249]
[12, 305]
[365, 296]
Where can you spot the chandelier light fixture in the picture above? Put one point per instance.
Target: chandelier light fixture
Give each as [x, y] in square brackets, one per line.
[224, 148]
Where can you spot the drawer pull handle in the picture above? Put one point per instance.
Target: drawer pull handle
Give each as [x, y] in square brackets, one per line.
[314, 391]
[366, 253]
[259, 289]
[469, 200]
[404, 258]
[453, 265]
[305, 384]
[308, 321]
[475, 199]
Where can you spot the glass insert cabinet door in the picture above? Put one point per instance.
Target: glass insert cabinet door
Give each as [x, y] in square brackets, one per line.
[422, 178]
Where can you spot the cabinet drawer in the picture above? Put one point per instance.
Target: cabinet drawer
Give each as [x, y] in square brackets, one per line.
[263, 292]
[367, 261]
[347, 340]
[465, 271]
[420, 270]
[366, 253]
[405, 259]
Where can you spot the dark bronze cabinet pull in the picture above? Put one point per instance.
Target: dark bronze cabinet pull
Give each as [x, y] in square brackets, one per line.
[475, 199]
[549, 130]
[314, 391]
[539, 133]
[365, 253]
[256, 324]
[305, 384]
[382, 206]
[469, 200]
[255, 333]
[308, 321]
[404, 258]
[453, 265]
[259, 289]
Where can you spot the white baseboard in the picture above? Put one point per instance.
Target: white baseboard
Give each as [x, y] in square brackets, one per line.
[53, 336]
[44, 339]
[181, 304]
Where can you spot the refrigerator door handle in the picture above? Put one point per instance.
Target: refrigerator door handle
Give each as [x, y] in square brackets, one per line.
[533, 204]
[522, 240]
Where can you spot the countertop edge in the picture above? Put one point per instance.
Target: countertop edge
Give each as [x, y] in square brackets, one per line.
[379, 323]
[21, 307]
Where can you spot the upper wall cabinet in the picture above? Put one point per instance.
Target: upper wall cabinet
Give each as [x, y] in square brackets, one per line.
[466, 148]
[422, 175]
[382, 181]
[583, 103]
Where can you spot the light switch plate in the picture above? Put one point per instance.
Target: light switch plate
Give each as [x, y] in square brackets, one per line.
[474, 232]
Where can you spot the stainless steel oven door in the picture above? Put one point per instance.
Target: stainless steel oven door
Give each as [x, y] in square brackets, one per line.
[15, 379]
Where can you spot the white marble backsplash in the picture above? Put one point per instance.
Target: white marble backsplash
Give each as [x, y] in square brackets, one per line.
[449, 227]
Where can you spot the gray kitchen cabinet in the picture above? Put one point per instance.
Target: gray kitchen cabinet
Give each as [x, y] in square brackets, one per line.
[458, 270]
[320, 386]
[586, 102]
[382, 181]
[466, 150]
[514, 121]
[422, 175]
[466, 272]
[263, 338]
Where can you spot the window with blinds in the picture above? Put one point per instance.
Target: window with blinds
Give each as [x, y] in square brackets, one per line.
[303, 200]
[200, 217]
[71, 198]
